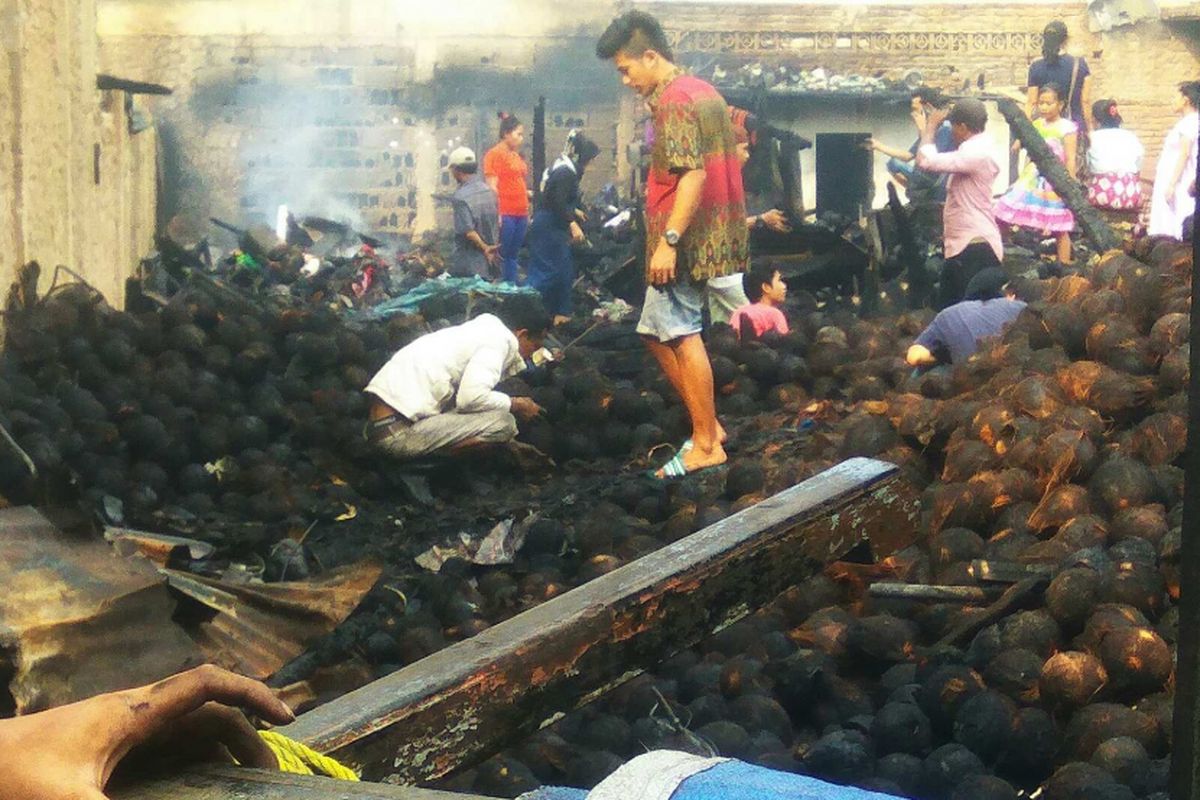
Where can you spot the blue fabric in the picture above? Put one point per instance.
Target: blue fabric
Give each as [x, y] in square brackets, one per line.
[1059, 73]
[959, 328]
[410, 301]
[673, 311]
[897, 167]
[512, 236]
[737, 780]
[475, 209]
[555, 793]
[551, 264]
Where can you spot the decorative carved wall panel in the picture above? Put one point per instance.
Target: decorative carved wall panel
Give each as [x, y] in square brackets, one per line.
[781, 42]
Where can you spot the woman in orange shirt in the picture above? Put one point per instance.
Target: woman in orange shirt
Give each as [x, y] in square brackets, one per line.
[505, 172]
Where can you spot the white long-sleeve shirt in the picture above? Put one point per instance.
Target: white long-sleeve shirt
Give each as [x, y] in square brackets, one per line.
[452, 369]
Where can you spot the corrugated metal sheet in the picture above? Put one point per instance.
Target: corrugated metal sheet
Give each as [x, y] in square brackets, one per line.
[79, 620]
[260, 627]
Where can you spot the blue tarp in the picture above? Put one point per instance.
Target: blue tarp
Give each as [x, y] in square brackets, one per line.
[737, 780]
[410, 302]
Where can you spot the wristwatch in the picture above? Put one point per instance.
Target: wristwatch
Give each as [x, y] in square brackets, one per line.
[671, 238]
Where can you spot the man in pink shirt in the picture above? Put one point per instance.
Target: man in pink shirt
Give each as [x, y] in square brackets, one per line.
[766, 291]
[971, 236]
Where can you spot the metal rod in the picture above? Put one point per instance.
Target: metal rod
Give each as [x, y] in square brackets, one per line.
[1185, 772]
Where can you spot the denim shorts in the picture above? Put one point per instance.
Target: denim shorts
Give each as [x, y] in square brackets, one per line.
[673, 311]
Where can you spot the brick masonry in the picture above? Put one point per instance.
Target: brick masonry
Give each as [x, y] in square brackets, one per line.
[361, 130]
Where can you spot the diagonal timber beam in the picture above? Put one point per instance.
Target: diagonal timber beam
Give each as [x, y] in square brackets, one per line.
[470, 700]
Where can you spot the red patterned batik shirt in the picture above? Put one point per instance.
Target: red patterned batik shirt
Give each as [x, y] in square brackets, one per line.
[692, 131]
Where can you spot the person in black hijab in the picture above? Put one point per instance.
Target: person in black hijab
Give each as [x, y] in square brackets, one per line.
[556, 226]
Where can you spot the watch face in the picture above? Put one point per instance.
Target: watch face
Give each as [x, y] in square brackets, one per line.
[672, 238]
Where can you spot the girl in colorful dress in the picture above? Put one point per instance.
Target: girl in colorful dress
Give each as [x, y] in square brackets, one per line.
[1172, 203]
[1032, 201]
[1114, 160]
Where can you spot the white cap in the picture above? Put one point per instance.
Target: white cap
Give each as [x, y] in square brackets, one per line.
[462, 156]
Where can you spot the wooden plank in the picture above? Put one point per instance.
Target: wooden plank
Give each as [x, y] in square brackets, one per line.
[233, 783]
[475, 697]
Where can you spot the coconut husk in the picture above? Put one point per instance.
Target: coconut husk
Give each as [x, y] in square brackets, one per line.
[966, 458]
[1001, 489]
[1059, 505]
[1098, 722]
[1175, 370]
[1170, 331]
[1104, 390]
[1101, 304]
[958, 505]
[1159, 439]
[1068, 288]
[1065, 455]
[1072, 679]
[1035, 396]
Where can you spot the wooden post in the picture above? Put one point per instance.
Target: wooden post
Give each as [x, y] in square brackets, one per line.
[1185, 747]
[793, 181]
[478, 696]
[1098, 232]
[539, 146]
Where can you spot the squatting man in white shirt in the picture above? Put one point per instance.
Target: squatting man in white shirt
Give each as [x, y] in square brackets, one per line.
[439, 392]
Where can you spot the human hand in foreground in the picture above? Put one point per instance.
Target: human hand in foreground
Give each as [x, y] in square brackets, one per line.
[524, 408]
[70, 752]
[776, 221]
[492, 253]
[662, 264]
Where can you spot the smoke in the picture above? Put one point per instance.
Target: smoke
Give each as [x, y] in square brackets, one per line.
[306, 153]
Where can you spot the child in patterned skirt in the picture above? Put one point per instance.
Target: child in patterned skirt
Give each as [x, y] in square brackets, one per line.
[1032, 201]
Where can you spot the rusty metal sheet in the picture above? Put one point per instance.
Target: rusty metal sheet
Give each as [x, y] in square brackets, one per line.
[260, 627]
[473, 698]
[76, 619]
[231, 783]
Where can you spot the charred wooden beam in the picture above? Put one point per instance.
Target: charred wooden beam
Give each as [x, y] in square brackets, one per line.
[539, 146]
[1098, 232]
[475, 697]
[930, 593]
[112, 82]
[232, 783]
[793, 182]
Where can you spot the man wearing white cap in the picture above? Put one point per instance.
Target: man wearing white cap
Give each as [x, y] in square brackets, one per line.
[476, 218]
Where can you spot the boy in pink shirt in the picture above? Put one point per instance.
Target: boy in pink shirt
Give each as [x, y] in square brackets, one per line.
[766, 290]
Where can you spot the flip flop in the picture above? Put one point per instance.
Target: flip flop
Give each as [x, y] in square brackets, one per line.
[675, 468]
[672, 469]
[728, 445]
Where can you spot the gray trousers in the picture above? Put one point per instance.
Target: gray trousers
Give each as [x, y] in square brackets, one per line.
[405, 440]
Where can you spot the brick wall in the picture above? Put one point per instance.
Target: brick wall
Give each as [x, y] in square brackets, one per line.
[77, 188]
[353, 117]
[1139, 65]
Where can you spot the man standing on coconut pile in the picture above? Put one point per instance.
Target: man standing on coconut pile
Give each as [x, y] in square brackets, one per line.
[971, 237]
[438, 393]
[476, 219]
[695, 220]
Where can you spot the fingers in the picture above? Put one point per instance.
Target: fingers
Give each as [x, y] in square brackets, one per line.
[188, 691]
[217, 723]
